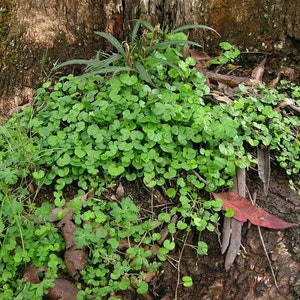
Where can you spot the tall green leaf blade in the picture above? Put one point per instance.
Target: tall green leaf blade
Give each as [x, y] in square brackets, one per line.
[135, 30]
[73, 62]
[168, 63]
[147, 25]
[193, 26]
[143, 73]
[94, 66]
[109, 70]
[113, 41]
[172, 43]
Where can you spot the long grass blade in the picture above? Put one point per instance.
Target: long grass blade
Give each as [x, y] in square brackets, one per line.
[193, 26]
[73, 62]
[168, 63]
[171, 43]
[109, 70]
[143, 73]
[113, 41]
[93, 66]
[147, 25]
[135, 30]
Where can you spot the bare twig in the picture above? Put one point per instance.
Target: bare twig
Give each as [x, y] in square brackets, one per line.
[200, 178]
[253, 201]
[178, 266]
[152, 204]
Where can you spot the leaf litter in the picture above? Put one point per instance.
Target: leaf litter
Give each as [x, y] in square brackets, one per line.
[244, 210]
[75, 258]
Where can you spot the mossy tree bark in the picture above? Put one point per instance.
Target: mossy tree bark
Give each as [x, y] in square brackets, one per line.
[35, 34]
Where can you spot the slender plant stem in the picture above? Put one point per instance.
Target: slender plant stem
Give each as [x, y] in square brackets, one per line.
[178, 267]
[200, 178]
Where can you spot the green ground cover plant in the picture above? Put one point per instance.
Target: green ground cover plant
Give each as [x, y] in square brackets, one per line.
[144, 114]
[228, 55]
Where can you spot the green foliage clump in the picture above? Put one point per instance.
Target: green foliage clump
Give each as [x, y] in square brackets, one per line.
[26, 238]
[229, 54]
[124, 249]
[122, 126]
[15, 155]
[151, 123]
[143, 113]
[262, 124]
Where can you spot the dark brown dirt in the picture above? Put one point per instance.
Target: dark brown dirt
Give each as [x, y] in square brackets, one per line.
[250, 277]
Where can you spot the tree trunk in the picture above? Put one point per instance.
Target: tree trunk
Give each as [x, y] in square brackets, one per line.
[36, 34]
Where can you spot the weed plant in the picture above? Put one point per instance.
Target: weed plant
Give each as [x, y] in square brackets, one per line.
[142, 113]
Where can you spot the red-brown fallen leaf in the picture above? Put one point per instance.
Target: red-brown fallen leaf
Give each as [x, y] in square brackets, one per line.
[68, 229]
[244, 210]
[31, 273]
[62, 290]
[75, 260]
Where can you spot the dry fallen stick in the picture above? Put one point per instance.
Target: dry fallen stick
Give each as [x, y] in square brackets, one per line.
[290, 103]
[253, 201]
[179, 267]
[231, 81]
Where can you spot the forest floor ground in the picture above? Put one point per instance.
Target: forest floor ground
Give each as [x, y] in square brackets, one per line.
[250, 276]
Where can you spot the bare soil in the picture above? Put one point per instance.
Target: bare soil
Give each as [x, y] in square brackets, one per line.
[250, 277]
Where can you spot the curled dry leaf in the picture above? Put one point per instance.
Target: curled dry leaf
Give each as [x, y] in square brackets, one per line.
[258, 72]
[201, 59]
[221, 98]
[68, 229]
[235, 242]
[244, 210]
[287, 72]
[231, 81]
[31, 273]
[165, 232]
[54, 214]
[290, 103]
[149, 276]
[120, 191]
[199, 55]
[75, 260]
[62, 290]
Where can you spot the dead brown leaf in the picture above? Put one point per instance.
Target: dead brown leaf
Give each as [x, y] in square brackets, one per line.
[165, 231]
[31, 273]
[149, 276]
[199, 55]
[201, 59]
[62, 290]
[258, 72]
[68, 229]
[231, 81]
[75, 260]
[120, 191]
[287, 72]
[221, 98]
[290, 103]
